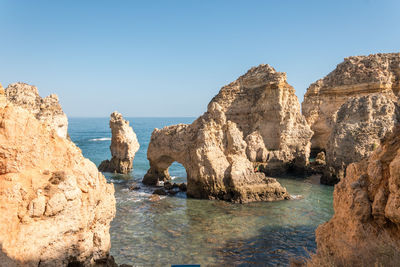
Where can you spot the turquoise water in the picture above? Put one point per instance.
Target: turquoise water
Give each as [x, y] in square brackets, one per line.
[177, 230]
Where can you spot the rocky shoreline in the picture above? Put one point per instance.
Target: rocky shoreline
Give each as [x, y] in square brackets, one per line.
[57, 207]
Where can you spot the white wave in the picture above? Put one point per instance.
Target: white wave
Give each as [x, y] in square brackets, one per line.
[296, 197]
[173, 177]
[100, 139]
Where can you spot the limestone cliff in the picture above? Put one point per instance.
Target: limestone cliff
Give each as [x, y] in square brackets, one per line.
[55, 207]
[124, 146]
[356, 76]
[213, 152]
[254, 119]
[47, 110]
[366, 223]
[266, 110]
[359, 125]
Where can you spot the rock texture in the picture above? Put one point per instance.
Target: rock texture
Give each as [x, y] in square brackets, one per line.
[47, 110]
[256, 118]
[124, 146]
[356, 76]
[55, 207]
[359, 125]
[366, 207]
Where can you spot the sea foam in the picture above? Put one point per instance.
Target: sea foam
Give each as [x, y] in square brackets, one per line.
[100, 139]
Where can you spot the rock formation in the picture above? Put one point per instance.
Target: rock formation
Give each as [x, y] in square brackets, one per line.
[47, 110]
[124, 146]
[254, 119]
[359, 125]
[366, 222]
[356, 76]
[55, 207]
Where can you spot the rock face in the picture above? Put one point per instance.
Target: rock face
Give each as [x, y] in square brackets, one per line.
[266, 110]
[356, 76]
[359, 125]
[47, 110]
[55, 207]
[124, 146]
[254, 119]
[366, 207]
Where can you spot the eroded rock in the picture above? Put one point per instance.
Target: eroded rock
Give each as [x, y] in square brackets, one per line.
[48, 110]
[356, 76]
[124, 145]
[216, 148]
[359, 126]
[49, 217]
[366, 222]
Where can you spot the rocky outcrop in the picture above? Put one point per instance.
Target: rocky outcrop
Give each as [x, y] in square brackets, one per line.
[359, 125]
[266, 110]
[356, 76]
[367, 213]
[124, 146]
[55, 207]
[256, 118]
[48, 110]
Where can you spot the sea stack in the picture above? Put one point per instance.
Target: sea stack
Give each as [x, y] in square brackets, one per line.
[47, 110]
[352, 109]
[55, 207]
[365, 227]
[255, 119]
[124, 145]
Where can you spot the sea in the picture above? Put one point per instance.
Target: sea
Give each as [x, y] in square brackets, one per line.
[181, 230]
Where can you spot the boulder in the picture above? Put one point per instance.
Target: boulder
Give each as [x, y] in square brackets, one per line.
[355, 77]
[55, 207]
[124, 146]
[364, 230]
[217, 148]
[47, 110]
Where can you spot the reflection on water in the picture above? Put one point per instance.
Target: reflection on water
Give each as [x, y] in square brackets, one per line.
[177, 230]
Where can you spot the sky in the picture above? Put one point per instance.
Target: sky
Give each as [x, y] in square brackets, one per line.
[169, 58]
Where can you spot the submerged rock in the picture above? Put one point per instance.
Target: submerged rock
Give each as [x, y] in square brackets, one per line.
[55, 207]
[48, 110]
[359, 126]
[354, 77]
[216, 149]
[124, 146]
[366, 223]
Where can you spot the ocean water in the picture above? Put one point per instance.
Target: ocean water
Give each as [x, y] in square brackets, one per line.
[178, 230]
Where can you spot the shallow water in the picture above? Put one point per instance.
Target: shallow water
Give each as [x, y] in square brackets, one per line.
[177, 230]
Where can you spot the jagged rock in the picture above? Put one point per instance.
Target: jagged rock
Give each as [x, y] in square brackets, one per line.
[266, 110]
[320, 159]
[47, 110]
[367, 213]
[260, 105]
[355, 76]
[359, 125]
[160, 192]
[49, 217]
[124, 146]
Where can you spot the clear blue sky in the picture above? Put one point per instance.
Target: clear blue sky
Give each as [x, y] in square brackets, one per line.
[169, 58]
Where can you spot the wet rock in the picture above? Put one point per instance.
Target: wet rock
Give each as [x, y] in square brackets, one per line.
[182, 187]
[134, 187]
[160, 192]
[168, 185]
